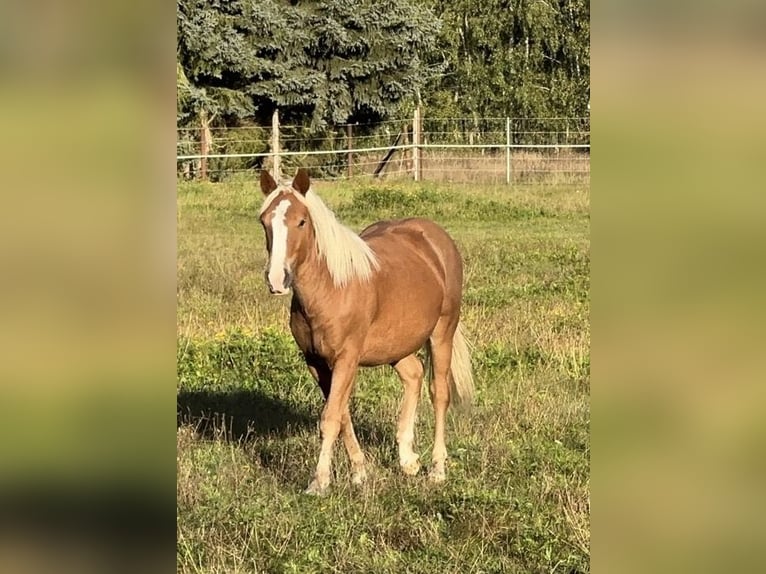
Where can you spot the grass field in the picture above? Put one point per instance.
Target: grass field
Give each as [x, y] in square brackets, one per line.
[517, 493]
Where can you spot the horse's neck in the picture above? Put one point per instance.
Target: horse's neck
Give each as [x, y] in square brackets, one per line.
[313, 286]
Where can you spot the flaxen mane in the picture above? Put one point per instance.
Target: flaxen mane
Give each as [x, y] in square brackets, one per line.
[346, 254]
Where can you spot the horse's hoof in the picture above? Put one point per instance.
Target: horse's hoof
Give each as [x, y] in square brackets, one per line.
[437, 475]
[359, 476]
[315, 488]
[411, 468]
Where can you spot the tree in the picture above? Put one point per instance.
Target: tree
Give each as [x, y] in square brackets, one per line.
[330, 61]
[522, 58]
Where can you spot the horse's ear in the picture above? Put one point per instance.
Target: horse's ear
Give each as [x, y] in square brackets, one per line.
[301, 181]
[267, 182]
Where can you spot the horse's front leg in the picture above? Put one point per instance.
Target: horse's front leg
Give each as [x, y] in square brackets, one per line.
[323, 376]
[336, 406]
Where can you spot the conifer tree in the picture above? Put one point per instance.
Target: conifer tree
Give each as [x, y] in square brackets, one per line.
[330, 61]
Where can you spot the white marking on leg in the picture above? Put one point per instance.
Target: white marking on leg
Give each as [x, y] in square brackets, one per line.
[408, 458]
[278, 247]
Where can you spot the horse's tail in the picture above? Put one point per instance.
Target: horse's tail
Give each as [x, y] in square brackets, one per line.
[461, 381]
[461, 373]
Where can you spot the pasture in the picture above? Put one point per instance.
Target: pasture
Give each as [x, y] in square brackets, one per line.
[517, 492]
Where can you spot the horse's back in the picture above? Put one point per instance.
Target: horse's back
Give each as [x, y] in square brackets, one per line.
[395, 242]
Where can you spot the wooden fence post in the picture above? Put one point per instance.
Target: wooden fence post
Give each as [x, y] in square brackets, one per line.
[416, 127]
[204, 144]
[350, 159]
[405, 162]
[508, 151]
[275, 144]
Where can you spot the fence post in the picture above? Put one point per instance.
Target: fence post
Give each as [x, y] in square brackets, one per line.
[275, 143]
[204, 144]
[508, 151]
[405, 161]
[350, 138]
[416, 143]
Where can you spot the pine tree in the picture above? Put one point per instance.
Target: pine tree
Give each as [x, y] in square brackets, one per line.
[320, 63]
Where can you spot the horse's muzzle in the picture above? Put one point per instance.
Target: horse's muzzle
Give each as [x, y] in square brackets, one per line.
[287, 281]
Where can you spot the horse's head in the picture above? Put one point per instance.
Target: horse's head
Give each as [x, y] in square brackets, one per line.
[289, 233]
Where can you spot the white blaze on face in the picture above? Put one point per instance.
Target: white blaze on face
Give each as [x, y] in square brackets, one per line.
[278, 247]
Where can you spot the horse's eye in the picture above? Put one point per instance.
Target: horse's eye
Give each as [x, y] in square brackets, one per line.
[301, 223]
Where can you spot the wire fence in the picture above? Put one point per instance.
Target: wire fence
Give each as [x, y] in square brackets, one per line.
[550, 151]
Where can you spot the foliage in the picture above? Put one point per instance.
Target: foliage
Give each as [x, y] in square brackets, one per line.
[392, 202]
[332, 61]
[337, 61]
[513, 58]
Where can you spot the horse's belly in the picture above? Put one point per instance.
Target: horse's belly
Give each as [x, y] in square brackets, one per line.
[400, 329]
[390, 348]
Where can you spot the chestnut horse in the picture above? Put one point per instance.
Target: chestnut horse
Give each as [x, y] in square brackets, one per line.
[369, 299]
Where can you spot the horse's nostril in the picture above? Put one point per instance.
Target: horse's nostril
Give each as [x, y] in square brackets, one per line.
[288, 279]
[268, 283]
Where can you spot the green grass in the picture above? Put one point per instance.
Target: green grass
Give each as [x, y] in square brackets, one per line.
[517, 494]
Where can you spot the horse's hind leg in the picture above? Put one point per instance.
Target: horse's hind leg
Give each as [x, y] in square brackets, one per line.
[441, 355]
[410, 371]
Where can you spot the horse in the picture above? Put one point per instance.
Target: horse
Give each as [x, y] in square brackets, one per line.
[367, 300]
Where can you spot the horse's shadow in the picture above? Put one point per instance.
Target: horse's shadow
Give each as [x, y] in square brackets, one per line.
[242, 416]
[236, 416]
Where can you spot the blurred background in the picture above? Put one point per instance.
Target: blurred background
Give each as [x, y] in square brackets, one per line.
[678, 281]
[87, 254]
